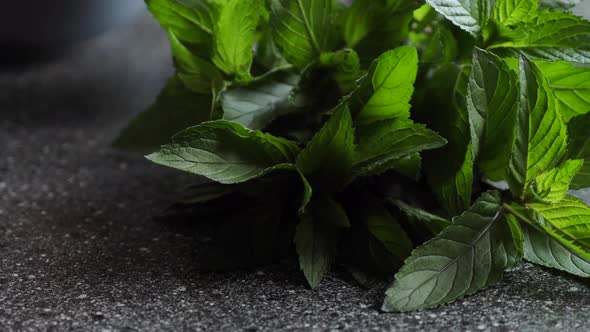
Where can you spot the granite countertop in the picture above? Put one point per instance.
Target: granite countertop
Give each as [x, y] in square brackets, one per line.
[83, 245]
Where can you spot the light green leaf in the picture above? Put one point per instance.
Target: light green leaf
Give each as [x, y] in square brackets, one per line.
[509, 12]
[552, 185]
[226, 152]
[383, 142]
[197, 74]
[551, 35]
[303, 29]
[492, 99]
[191, 21]
[469, 15]
[175, 109]
[258, 104]
[316, 245]
[433, 223]
[542, 249]
[571, 86]
[391, 80]
[467, 256]
[387, 230]
[235, 33]
[541, 137]
[327, 159]
[567, 221]
[579, 148]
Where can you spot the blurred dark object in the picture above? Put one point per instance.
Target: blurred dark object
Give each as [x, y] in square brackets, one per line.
[31, 30]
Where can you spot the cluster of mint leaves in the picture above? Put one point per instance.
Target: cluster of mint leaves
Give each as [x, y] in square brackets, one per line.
[435, 140]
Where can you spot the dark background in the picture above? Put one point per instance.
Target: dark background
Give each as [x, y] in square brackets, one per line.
[85, 244]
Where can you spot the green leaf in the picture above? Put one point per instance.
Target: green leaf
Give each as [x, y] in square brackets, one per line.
[551, 35]
[552, 186]
[571, 86]
[316, 245]
[542, 249]
[541, 137]
[175, 109]
[235, 33]
[383, 142]
[375, 26]
[509, 12]
[226, 152]
[327, 159]
[469, 15]
[303, 29]
[410, 166]
[391, 80]
[433, 223]
[567, 221]
[330, 212]
[191, 21]
[451, 182]
[197, 74]
[345, 68]
[255, 106]
[579, 148]
[467, 256]
[442, 47]
[492, 99]
[387, 230]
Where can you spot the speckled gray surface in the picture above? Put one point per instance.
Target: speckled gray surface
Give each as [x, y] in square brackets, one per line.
[82, 247]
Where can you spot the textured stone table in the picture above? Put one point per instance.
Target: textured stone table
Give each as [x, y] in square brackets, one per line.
[82, 246]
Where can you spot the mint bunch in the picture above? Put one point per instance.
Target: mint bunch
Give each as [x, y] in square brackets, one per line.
[381, 136]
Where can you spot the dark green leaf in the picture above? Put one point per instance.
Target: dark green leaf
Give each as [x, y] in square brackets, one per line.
[258, 104]
[492, 100]
[175, 109]
[383, 142]
[566, 4]
[327, 159]
[540, 248]
[385, 228]
[541, 137]
[226, 152]
[434, 223]
[579, 148]
[467, 256]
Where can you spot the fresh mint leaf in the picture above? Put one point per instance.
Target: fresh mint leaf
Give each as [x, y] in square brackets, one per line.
[235, 34]
[541, 137]
[316, 241]
[579, 148]
[191, 21]
[345, 68]
[197, 74]
[226, 152]
[410, 166]
[551, 35]
[256, 105]
[387, 230]
[571, 86]
[567, 221]
[467, 256]
[540, 248]
[327, 159]
[492, 100]
[552, 185]
[510, 12]
[432, 222]
[175, 109]
[391, 79]
[303, 29]
[383, 142]
[469, 15]
[442, 47]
